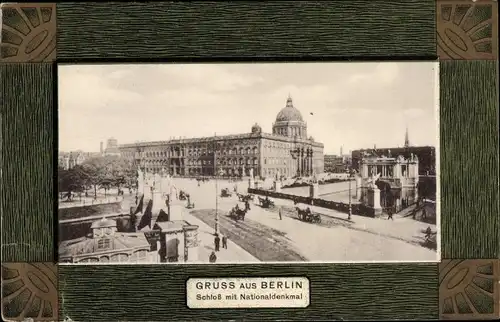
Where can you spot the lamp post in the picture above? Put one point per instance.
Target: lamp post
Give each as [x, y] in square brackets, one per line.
[350, 204]
[216, 228]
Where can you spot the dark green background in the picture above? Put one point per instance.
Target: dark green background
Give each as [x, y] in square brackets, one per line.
[364, 29]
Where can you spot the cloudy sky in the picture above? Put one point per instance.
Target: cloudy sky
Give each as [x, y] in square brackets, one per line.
[354, 105]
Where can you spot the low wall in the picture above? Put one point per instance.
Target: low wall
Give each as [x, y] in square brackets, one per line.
[357, 209]
[90, 210]
[321, 182]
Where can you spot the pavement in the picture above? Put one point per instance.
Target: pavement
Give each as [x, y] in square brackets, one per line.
[263, 234]
[233, 253]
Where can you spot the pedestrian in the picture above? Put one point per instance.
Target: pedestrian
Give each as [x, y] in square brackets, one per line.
[136, 199]
[389, 213]
[428, 232]
[224, 242]
[212, 258]
[217, 242]
[279, 212]
[247, 205]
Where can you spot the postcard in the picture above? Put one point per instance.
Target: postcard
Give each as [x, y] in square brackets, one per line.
[248, 163]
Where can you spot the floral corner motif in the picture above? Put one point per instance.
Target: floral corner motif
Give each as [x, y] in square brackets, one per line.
[28, 32]
[29, 291]
[469, 289]
[467, 29]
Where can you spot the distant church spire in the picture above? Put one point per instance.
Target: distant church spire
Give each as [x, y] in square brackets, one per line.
[407, 140]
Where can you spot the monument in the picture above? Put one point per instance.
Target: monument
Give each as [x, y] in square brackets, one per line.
[388, 182]
[373, 196]
[251, 180]
[140, 182]
[277, 183]
[314, 187]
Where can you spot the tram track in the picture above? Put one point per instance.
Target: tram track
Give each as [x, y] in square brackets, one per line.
[264, 243]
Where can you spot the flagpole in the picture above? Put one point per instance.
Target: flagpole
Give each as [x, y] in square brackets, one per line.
[216, 187]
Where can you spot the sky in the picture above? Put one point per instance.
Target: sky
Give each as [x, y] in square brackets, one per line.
[350, 104]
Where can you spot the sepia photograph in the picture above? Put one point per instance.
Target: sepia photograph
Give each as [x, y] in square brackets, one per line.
[240, 163]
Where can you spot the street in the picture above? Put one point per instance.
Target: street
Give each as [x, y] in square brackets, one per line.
[267, 238]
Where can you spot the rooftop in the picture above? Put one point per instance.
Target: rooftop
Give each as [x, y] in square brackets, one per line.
[117, 241]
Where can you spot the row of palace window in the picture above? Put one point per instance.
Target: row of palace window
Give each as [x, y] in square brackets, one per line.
[223, 162]
[190, 152]
[255, 161]
[271, 147]
[290, 131]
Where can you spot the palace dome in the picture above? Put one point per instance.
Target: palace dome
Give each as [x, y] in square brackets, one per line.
[289, 113]
[256, 128]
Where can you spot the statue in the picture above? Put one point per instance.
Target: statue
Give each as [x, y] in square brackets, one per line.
[251, 173]
[372, 180]
[314, 177]
[140, 176]
[156, 180]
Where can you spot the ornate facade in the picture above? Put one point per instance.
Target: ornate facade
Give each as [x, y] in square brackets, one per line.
[286, 152]
[107, 245]
[396, 179]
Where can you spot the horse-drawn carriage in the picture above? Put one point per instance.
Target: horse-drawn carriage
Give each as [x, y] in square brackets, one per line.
[225, 193]
[305, 214]
[266, 202]
[183, 195]
[190, 205]
[244, 198]
[238, 213]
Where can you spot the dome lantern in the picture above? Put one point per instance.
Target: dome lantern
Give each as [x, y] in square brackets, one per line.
[289, 113]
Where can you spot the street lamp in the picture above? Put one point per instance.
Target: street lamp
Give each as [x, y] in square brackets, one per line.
[350, 204]
[216, 187]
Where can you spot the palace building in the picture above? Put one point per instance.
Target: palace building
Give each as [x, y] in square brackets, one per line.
[287, 151]
[426, 155]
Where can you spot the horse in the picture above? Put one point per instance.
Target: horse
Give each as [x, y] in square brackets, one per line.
[307, 215]
[266, 202]
[237, 214]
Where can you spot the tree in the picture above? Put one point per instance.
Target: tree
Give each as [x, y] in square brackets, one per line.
[109, 171]
[72, 180]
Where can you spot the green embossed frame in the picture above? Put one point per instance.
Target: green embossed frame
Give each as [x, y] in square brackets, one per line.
[287, 30]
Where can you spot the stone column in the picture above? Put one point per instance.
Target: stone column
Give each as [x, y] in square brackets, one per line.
[277, 186]
[298, 162]
[375, 202]
[304, 162]
[314, 190]
[364, 169]
[358, 187]
[308, 172]
[251, 183]
[398, 204]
